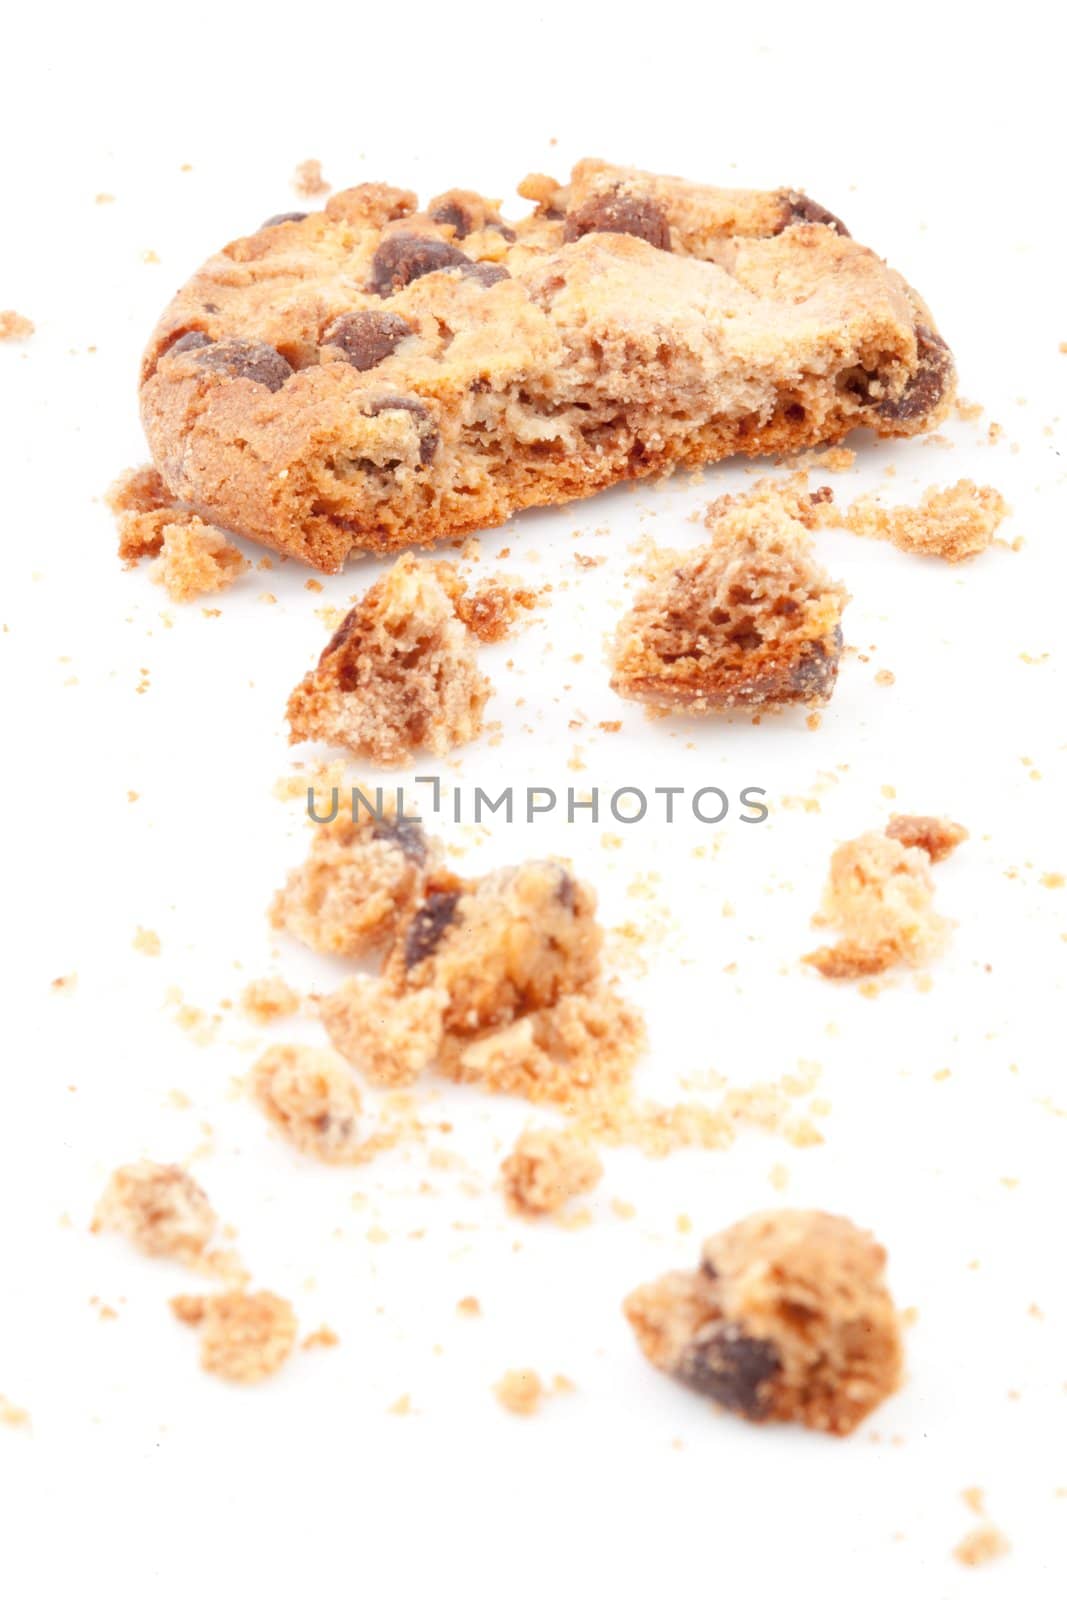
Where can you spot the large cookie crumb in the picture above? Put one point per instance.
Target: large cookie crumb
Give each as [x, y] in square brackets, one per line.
[161, 1210]
[786, 1319]
[14, 326]
[311, 1096]
[880, 896]
[243, 1337]
[361, 880]
[520, 1391]
[400, 675]
[954, 524]
[750, 620]
[196, 559]
[546, 1169]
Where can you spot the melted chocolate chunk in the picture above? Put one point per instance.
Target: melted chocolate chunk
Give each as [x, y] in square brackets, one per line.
[428, 435]
[405, 833]
[428, 926]
[486, 272]
[924, 390]
[799, 208]
[451, 214]
[283, 216]
[403, 257]
[724, 1363]
[367, 337]
[194, 340]
[246, 358]
[620, 213]
[815, 674]
[566, 890]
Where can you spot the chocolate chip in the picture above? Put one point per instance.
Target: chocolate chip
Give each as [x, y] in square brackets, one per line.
[403, 257]
[504, 231]
[620, 213]
[428, 926]
[367, 337]
[405, 833]
[924, 390]
[428, 435]
[486, 272]
[283, 216]
[247, 358]
[724, 1363]
[450, 214]
[194, 340]
[799, 208]
[566, 890]
[815, 674]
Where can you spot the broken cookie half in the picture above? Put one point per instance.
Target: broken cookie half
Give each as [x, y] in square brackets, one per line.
[400, 675]
[749, 621]
[787, 1319]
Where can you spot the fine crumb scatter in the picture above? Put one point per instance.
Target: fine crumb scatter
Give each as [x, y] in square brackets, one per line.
[748, 620]
[312, 1097]
[14, 326]
[267, 999]
[880, 897]
[546, 1169]
[520, 1391]
[953, 524]
[400, 674]
[309, 181]
[786, 1318]
[196, 558]
[244, 1337]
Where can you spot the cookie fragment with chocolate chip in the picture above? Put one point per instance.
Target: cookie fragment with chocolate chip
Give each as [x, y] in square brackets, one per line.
[749, 620]
[361, 880]
[786, 1319]
[400, 675]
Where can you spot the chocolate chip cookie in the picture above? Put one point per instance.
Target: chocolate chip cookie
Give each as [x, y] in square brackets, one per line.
[373, 376]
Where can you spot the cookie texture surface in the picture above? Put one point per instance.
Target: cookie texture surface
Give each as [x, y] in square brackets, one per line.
[787, 1318]
[375, 375]
[750, 620]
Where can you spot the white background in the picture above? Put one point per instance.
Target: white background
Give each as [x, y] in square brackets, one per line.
[934, 136]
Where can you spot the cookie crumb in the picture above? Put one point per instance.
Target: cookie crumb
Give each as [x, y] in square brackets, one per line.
[323, 1338]
[13, 1416]
[520, 1391]
[546, 1169]
[953, 524]
[981, 1546]
[469, 1306]
[492, 609]
[267, 999]
[244, 1337]
[880, 896]
[146, 940]
[196, 558]
[786, 1318]
[309, 181]
[160, 1209]
[311, 1096]
[400, 674]
[13, 326]
[749, 620]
